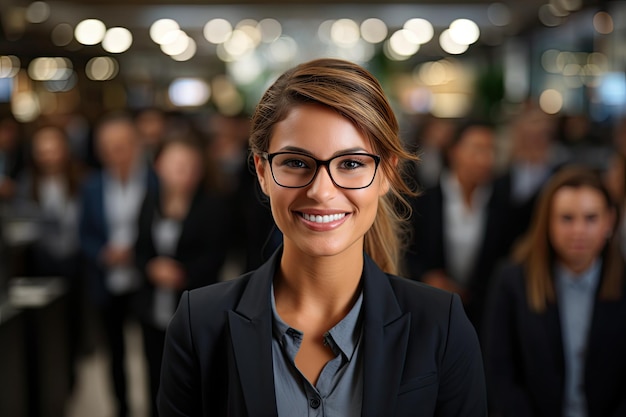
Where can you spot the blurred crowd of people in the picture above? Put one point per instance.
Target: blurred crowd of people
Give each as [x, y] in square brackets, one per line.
[142, 205]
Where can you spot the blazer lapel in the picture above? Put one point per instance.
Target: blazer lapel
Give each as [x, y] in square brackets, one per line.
[386, 335]
[251, 335]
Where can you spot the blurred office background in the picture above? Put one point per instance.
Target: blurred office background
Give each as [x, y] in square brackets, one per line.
[202, 65]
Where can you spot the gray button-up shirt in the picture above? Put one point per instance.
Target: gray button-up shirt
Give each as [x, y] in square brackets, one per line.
[576, 295]
[339, 388]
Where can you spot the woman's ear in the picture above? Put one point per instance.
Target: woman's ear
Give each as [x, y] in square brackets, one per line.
[260, 167]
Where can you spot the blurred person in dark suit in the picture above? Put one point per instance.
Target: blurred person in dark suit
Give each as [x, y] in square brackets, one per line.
[533, 159]
[555, 328]
[181, 243]
[48, 190]
[11, 156]
[459, 225]
[111, 199]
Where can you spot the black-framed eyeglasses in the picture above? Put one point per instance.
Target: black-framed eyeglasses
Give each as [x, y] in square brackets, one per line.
[350, 171]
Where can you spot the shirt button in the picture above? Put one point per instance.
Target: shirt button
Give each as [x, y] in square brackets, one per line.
[314, 403]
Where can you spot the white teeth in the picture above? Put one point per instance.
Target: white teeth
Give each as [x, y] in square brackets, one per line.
[327, 218]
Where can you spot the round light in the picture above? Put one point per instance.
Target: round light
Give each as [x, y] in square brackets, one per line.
[188, 53]
[38, 12]
[217, 31]
[46, 69]
[160, 28]
[239, 43]
[284, 49]
[373, 30]
[449, 45]
[323, 31]
[176, 43]
[270, 29]
[117, 40]
[25, 106]
[464, 31]
[189, 92]
[9, 66]
[345, 32]
[499, 14]
[62, 34]
[404, 43]
[603, 23]
[547, 15]
[551, 101]
[90, 32]
[102, 68]
[421, 28]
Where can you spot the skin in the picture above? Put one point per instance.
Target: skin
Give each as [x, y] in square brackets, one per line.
[179, 168]
[580, 222]
[318, 279]
[49, 151]
[472, 160]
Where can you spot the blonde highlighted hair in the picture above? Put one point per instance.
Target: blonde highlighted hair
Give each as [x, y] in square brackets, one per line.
[356, 94]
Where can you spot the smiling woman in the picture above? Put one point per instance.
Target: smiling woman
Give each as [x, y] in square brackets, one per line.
[324, 326]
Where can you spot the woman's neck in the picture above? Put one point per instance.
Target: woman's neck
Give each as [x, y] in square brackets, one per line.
[323, 288]
[175, 203]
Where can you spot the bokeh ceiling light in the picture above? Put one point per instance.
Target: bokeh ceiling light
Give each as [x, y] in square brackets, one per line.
[374, 30]
[46, 69]
[176, 43]
[217, 31]
[102, 68]
[551, 101]
[421, 28]
[547, 16]
[117, 40]
[449, 45]
[603, 23]
[38, 12]
[391, 54]
[403, 42]
[499, 14]
[62, 34]
[464, 31]
[9, 66]
[284, 49]
[189, 92]
[345, 32]
[250, 27]
[270, 30]
[160, 29]
[25, 106]
[90, 32]
[239, 43]
[323, 31]
[188, 53]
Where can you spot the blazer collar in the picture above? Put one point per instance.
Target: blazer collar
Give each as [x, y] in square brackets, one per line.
[385, 333]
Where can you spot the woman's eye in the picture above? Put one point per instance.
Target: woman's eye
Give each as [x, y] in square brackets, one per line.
[295, 163]
[351, 164]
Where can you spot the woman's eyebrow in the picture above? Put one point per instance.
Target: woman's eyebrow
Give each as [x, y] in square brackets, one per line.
[356, 149]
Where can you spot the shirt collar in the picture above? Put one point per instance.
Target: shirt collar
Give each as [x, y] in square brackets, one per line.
[345, 334]
[587, 280]
[451, 189]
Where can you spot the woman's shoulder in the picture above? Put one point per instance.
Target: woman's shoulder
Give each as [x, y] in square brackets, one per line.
[417, 297]
[220, 295]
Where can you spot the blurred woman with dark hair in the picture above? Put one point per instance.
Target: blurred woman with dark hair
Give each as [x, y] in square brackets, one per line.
[181, 243]
[556, 322]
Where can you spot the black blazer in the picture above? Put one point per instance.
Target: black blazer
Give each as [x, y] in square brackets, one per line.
[427, 251]
[524, 354]
[201, 248]
[421, 354]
